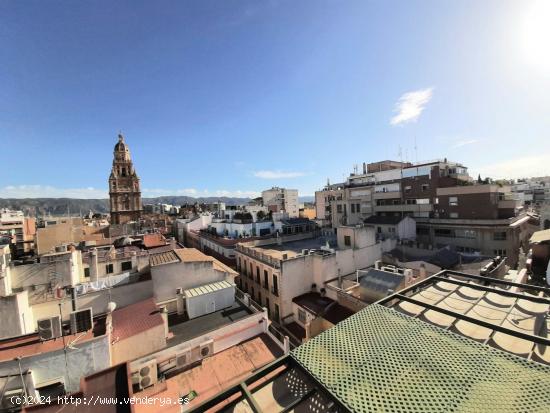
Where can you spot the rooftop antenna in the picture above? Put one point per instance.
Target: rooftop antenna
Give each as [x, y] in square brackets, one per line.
[400, 154]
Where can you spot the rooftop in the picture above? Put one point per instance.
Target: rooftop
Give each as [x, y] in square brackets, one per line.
[383, 360]
[293, 248]
[183, 329]
[135, 318]
[187, 255]
[31, 345]
[153, 240]
[216, 373]
[406, 355]
[322, 306]
[504, 315]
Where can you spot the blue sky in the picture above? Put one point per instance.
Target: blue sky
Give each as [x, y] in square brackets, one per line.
[231, 97]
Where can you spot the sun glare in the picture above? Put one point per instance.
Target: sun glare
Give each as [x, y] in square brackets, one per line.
[536, 35]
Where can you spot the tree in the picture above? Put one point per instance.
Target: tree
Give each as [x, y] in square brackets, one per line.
[479, 181]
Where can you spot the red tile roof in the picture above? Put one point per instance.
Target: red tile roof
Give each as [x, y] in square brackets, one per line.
[153, 240]
[135, 319]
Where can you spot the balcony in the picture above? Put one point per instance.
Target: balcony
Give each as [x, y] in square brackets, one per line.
[386, 195]
[404, 207]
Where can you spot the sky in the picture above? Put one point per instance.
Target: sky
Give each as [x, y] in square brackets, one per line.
[230, 97]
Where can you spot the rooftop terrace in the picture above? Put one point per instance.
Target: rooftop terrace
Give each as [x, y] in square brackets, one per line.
[183, 329]
[453, 342]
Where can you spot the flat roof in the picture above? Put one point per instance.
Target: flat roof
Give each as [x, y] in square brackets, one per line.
[382, 360]
[293, 248]
[184, 329]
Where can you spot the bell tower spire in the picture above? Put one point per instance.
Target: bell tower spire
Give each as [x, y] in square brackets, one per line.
[124, 186]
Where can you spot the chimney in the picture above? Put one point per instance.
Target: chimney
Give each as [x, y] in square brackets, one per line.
[93, 265]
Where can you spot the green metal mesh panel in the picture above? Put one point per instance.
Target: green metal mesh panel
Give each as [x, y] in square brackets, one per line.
[380, 360]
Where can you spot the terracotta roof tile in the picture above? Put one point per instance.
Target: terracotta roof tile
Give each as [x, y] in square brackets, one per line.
[153, 240]
[135, 319]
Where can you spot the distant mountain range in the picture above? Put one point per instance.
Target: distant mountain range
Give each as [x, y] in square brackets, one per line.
[74, 206]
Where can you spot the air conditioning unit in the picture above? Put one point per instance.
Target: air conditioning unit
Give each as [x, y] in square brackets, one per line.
[81, 320]
[183, 358]
[207, 349]
[49, 328]
[147, 374]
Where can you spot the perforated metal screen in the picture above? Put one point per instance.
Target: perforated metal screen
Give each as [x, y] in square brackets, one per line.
[380, 360]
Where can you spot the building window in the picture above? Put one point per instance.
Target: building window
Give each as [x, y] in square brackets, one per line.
[453, 214]
[275, 286]
[347, 240]
[500, 252]
[267, 306]
[353, 208]
[276, 312]
[301, 316]
[422, 231]
[126, 266]
[86, 272]
[339, 208]
[436, 201]
[425, 187]
[408, 189]
[444, 232]
[258, 274]
[499, 236]
[453, 201]
[266, 281]
[391, 230]
[109, 268]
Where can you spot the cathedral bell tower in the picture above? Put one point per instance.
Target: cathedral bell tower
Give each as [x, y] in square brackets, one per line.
[124, 190]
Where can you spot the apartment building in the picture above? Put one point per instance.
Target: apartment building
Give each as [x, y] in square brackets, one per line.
[282, 200]
[448, 207]
[275, 271]
[20, 229]
[218, 234]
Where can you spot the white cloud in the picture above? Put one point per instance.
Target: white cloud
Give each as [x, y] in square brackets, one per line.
[46, 191]
[525, 167]
[410, 105]
[277, 174]
[465, 142]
